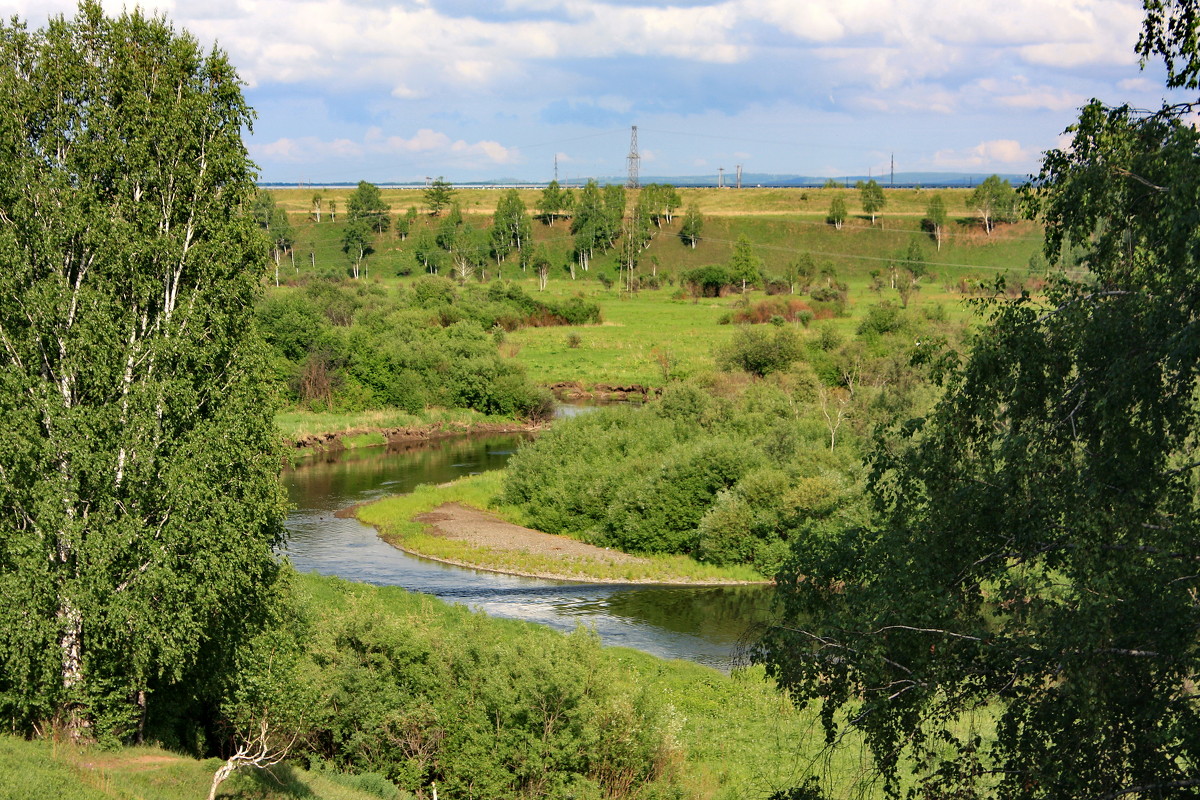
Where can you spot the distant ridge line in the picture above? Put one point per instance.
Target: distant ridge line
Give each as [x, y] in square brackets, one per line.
[750, 180]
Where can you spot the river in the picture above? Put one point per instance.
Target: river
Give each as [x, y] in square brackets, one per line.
[704, 625]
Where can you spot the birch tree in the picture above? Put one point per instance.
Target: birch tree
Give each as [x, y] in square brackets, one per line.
[1018, 621]
[138, 464]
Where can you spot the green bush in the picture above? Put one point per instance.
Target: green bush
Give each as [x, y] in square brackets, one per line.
[482, 708]
[760, 352]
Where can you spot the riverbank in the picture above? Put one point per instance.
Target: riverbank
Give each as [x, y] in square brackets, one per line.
[459, 524]
[311, 432]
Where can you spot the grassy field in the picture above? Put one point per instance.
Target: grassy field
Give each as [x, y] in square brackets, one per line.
[47, 769]
[782, 224]
[295, 424]
[724, 202]
[656, 335]
[393, 518]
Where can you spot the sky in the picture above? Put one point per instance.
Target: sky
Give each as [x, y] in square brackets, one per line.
[479, 90]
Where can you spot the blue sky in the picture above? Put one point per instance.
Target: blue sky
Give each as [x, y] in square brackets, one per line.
[388, 90]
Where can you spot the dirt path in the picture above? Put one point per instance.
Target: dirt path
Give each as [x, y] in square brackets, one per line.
[481, 529]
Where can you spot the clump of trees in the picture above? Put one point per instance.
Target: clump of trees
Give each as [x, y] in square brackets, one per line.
[1019, 618]
[438, 196]
[872, 197]
[139, 469]
[996, 201]
[837, 212]
[356, 347]
[694, 473]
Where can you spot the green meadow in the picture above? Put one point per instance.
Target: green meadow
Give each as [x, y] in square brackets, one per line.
[654, 335]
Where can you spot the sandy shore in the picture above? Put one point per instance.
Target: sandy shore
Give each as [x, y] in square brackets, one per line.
[481, 529]
[486, 531]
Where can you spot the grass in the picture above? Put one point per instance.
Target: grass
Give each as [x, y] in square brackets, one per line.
[393, 516]
[373, 439]
[653, 336]
[782, 223]
[295, 424]
[46, 768]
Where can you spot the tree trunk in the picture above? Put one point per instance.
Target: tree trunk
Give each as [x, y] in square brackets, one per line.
[71, 644]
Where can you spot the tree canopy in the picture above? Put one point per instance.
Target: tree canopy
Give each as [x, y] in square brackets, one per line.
[873, 198]
[935, 218]
[138, 464]
[439, 195]
[366, 203]
[1020, 619]
[511, 226]
[995, 200]
[837, 212]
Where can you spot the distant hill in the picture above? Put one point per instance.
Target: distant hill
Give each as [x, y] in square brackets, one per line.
[749, 179]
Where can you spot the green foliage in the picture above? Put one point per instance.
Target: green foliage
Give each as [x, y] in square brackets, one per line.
[438, 195]
[365, 203]
[935, 218]
[995, 200]
[511, 228]
[693, 223]
[708, 281]
[692, 474]
[358, 347]
[837, 212]
[483, 712]
[357, 244]
[138, 471]
[760, 352]
[744, 267]
[554, 202]
[1033, 554]
[873, 198]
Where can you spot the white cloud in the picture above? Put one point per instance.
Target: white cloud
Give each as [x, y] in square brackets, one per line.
[995, 154]
[426, 142]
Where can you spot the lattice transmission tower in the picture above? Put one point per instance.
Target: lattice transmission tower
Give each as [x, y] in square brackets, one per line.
[634, 160]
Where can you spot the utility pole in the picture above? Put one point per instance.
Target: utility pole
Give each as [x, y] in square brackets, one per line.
[556, 167]
[893, 170]
[739, 176]
[720, 177]
[634, 160]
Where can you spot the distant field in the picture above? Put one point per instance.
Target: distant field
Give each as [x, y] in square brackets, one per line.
[663, 329]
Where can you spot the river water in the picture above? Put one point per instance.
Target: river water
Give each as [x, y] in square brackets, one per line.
[704, 625]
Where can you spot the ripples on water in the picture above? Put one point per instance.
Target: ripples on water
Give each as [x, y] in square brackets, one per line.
[701, 624]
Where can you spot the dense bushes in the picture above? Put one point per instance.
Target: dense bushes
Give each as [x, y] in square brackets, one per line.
[710, 476]
[745, 465]
[357, 347]
[760, 352]
[481, 707]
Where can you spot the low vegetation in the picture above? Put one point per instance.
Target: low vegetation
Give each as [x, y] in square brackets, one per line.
[401, 691]
[393, 517]
[728, 468]
[360, 347]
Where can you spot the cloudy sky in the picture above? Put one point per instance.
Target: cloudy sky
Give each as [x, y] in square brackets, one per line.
[397, 90]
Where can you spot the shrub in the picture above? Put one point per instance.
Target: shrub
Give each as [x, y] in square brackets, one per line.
[760, 352]
[708, 281]
[786, 309]
[881, 319]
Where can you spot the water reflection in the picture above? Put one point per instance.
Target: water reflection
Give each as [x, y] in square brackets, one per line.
[698, 624]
